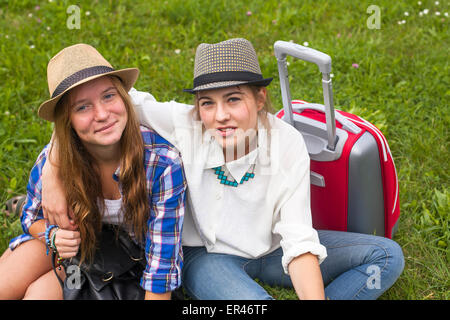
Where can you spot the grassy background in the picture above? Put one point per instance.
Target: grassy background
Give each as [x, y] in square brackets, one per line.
[401, 85]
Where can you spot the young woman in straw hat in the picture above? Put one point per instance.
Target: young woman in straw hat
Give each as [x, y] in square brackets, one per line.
[248, 209]
[113, 171]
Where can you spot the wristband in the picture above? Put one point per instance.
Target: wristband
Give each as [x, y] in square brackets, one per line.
[47, 233]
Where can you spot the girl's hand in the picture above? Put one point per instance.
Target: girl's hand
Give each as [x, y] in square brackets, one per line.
[67, 243]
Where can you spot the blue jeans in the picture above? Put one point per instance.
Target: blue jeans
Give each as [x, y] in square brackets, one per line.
[358, 266]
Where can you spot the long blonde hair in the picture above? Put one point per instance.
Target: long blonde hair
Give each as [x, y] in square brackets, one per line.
[81, 179]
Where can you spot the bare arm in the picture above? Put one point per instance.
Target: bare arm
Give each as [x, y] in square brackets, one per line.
[54, 203]
[37, 229]
[306, 277]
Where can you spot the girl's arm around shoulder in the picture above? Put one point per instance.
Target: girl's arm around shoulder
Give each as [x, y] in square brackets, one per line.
[164, 117]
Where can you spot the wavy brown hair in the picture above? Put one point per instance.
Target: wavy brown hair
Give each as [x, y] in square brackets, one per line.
[81, 180]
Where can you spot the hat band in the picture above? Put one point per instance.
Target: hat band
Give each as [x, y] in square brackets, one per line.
[226, 76]
[79, 76]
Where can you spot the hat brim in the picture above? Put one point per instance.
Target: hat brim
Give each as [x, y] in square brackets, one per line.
[128, 76]
[226, 84]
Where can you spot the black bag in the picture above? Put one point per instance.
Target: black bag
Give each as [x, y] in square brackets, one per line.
[114, 274]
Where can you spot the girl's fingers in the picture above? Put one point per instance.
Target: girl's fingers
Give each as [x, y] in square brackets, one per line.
[68, 254]
[74, 226]
[67, 243]
[64, 234]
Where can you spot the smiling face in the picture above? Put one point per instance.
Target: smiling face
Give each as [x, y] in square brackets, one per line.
[231, 115]
[97, 113]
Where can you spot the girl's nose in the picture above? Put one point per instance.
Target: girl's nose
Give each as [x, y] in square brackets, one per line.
[222, 113]
[101, 112]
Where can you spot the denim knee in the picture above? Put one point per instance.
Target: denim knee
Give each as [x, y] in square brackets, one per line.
[388, 256]
[398, 260]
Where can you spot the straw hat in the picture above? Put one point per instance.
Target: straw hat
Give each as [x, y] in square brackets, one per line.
[225, 64]
[75, 65]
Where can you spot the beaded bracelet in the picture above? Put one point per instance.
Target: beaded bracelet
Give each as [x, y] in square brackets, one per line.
[59, 262]
[47, 240]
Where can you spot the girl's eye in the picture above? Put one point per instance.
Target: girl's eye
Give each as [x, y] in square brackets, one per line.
[80, 108]
[205, 103]
[108, 96]
[234, 99]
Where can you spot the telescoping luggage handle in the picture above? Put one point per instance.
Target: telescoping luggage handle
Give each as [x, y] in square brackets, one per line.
[346, 124]
[323, 61]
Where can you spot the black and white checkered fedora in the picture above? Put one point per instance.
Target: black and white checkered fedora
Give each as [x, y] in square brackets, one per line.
[225, 64]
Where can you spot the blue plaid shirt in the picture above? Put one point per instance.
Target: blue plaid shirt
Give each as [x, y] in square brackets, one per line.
[166, 184]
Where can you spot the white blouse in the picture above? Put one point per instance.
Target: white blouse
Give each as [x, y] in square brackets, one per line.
[258, 216]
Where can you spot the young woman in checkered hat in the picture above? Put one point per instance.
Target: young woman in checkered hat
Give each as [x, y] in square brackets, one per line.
[248, 208]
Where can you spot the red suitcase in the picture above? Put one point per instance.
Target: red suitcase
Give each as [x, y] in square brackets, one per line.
[354, 185]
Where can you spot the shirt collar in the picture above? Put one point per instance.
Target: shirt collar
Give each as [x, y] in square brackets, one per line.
[239, 167]
[116, 178]
[116, 174]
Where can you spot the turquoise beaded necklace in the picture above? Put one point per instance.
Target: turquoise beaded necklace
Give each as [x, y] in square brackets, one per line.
[220, 172]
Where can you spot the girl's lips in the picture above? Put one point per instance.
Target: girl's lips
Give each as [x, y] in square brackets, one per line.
[225, 132]
[105, 128]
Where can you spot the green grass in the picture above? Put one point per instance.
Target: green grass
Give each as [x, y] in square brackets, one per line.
[401, 85]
